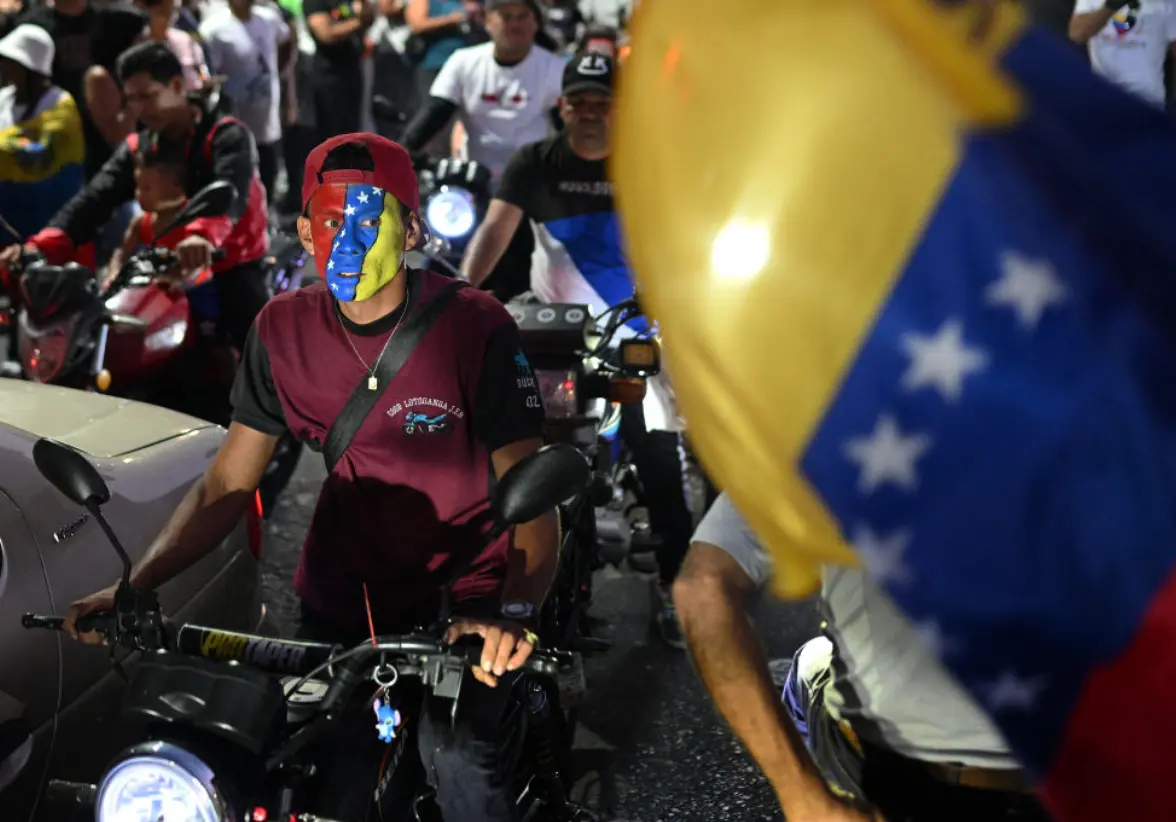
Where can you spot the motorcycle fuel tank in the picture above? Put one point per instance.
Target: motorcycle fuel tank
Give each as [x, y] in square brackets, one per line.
[133, 351]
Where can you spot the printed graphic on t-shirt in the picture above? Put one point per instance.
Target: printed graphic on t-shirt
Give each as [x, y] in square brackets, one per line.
[426, 416]
[1124, 21]
[512, 96]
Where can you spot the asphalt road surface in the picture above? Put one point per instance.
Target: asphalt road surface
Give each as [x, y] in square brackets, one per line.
[650, 746]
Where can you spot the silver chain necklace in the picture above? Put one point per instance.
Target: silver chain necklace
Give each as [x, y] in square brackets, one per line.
[372, 382]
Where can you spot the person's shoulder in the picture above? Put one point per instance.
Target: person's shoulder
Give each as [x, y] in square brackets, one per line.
[39, 16]
[473, 305]
[548, 59]
[472, 55]
[291, 310]
[269, 14]
[122, 15]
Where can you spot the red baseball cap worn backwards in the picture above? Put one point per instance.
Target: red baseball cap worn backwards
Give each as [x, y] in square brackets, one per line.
[393, 169]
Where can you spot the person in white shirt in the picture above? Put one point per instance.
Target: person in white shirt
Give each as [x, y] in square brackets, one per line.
[248, 44]
[1128, 42]
[870, 721]
[505, 93]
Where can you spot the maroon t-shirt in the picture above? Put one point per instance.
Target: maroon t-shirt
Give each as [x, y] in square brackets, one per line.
[409, 497]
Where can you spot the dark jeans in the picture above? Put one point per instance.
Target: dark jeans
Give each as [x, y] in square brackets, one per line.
[297, 143]
[903, 791]
[242, 292]
[267, 169]
[462, 755]
[337, 100]
[659, 459]
[512, 275]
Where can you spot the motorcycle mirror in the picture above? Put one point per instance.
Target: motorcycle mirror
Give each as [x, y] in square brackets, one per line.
[214, 200]
[71, 473]
[538, 483]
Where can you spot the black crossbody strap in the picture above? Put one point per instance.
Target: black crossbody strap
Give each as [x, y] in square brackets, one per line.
[400, 347]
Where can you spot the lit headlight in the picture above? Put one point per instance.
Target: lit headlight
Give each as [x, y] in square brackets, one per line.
[451, 213]
[159, 782]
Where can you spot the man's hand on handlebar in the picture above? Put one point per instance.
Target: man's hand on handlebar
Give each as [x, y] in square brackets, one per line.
[100, 601]
[506, 646]
[10, 255]
[194, 253]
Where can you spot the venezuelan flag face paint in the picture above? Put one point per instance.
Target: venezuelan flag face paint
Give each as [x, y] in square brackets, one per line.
[358, 239]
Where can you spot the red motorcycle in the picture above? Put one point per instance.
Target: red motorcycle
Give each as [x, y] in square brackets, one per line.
[136, 338]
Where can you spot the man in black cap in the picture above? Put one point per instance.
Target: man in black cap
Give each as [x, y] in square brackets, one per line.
[560, 184]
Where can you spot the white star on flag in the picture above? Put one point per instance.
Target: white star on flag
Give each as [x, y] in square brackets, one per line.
[330, 264]
[941, 361]
[377, 190]
[887, 456]
[343, 231]
[349, 210]
[1026, 286]
[334, 286]
[933, 639]
[882, 557]
[362, 196]
[1011, 691]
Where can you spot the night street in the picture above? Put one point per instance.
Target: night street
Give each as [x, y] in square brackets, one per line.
[650, 747]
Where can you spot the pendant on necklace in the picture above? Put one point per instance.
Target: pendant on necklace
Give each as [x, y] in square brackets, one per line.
[372, 384]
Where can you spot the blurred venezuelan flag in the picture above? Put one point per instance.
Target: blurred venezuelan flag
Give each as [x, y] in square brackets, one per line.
[918, 294]
[40, 165]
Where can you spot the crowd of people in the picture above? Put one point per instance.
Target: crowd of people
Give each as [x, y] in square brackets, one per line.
[150, 103]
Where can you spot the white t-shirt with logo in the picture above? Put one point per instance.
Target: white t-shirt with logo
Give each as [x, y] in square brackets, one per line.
[246, 52]
[502, 107]
[1130, 49]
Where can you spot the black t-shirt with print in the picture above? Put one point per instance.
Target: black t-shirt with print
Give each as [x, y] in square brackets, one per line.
[548, 181]
[96, 37]
[337, 59]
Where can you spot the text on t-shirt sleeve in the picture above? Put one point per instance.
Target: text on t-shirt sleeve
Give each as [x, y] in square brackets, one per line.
[508, 406]
[254, 397]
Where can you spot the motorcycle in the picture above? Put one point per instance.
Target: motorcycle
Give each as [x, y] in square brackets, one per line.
[414, 422]
[455, 195]
[584, 376]
[135, 339]
[228, 719]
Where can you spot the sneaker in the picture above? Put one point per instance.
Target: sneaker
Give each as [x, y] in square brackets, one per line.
[667, 618]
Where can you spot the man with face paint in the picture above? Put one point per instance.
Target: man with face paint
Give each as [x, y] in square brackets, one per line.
[408, 495]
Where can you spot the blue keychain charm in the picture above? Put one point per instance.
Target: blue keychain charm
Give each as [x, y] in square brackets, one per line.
[387, 720]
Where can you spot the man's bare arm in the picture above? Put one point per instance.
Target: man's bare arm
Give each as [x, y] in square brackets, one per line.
[710, 595]
[490, 241]
[1086, 25]
[211, 509]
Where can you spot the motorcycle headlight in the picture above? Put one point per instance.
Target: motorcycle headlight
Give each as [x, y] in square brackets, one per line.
[160, 782]
[43, 350]
[451, 213]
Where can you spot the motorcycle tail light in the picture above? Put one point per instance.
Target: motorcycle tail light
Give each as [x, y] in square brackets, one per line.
[557, 389]
[626, 390]
[43, 350]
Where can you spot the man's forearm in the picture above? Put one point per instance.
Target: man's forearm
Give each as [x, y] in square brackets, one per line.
[731, 663]
[533, 560]
[203, 520]
[1084, 26]
[484, 252]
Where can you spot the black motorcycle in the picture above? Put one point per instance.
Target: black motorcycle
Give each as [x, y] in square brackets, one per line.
[584, 376]
[225, 738]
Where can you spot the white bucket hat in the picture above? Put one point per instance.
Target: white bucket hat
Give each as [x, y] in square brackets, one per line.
[31, 46]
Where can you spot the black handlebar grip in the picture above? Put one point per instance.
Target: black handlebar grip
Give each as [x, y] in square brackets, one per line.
[49, 623]
[100, 621]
